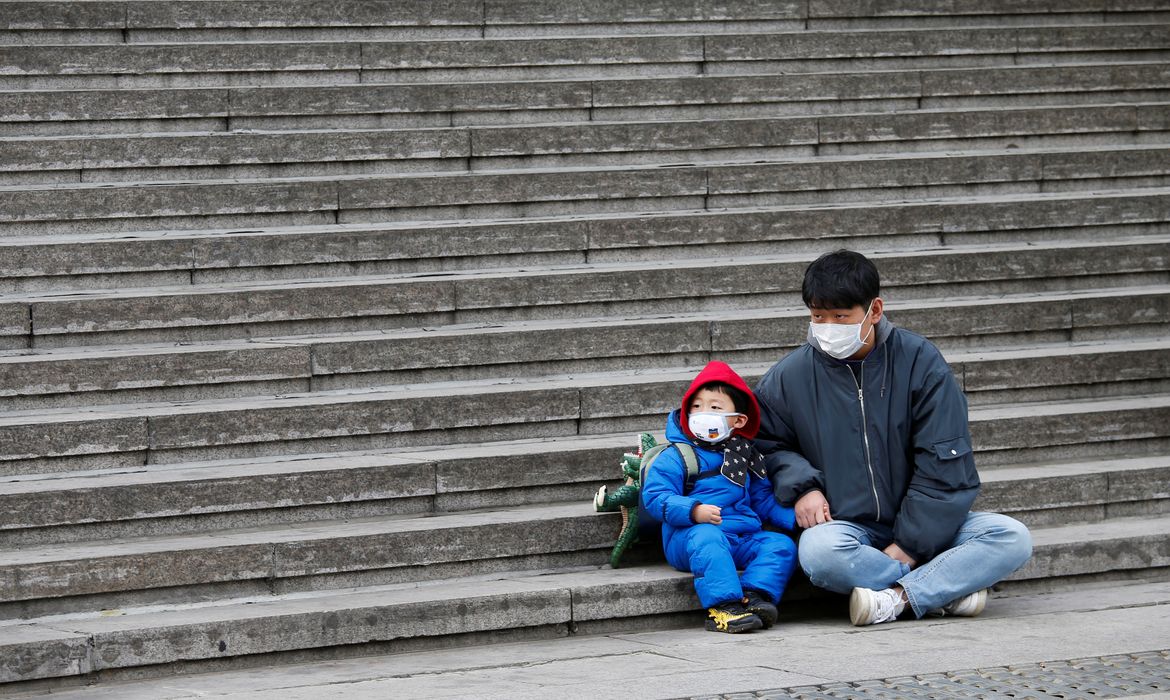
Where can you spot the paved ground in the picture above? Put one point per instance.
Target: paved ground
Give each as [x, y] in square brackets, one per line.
[1100, 641]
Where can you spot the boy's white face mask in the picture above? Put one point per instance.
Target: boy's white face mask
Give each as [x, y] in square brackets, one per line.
[839, 340]
[710, 426]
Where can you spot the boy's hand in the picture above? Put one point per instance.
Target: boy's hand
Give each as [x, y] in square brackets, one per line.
[704, 513]
[812, 509]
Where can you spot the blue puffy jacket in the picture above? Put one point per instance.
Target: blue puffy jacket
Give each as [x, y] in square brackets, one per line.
[743, 508]
[891, 448]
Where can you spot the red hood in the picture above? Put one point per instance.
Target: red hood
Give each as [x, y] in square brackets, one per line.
[716, 371]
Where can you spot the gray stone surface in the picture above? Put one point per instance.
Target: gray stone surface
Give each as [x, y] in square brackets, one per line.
[1005, 162]
[62, 15]
[802, 650]
[441, 190]
[609, 239]
[235, 148]
[903, 8]
[139, 59]
[73, 372]
[592, 188]
[265, 626]
[526, 12]
[806, 45]
[358, 413]
[311, 549]
[163, 493]
[67, 433]
[243, 305]
[103, 105]
[914, 275]
[37, 652]
[534, 52]
[388, 99]
[1115, 421]
[304, 13]
[1115, 545]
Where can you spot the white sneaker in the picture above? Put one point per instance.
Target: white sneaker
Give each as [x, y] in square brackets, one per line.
[869, 607]
[969, 605]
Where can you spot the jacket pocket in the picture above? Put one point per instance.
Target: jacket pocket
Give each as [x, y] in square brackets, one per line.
[952, 449]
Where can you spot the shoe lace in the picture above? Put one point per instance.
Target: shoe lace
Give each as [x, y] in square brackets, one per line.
[887, 606]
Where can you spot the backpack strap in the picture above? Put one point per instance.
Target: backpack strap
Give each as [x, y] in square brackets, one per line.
[690, 459]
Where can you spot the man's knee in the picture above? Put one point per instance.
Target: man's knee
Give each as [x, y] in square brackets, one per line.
[819, 550]
[1015, 539]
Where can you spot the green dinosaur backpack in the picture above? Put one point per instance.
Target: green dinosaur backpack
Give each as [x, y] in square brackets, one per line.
[638, 524]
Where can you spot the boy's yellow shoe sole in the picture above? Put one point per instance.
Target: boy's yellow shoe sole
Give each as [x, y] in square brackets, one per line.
[732, 619]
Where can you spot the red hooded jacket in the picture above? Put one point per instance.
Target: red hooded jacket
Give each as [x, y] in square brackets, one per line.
[716, 371]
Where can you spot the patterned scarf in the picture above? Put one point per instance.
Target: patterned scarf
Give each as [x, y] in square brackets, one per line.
[739, 458]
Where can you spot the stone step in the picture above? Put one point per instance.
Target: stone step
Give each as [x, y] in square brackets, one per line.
[197, 497]
[1043, 495]
[408, 617]
[44, 209]
[250, 310]
[189, 498]
[307, 20]
[41, 67]
[175, 569]
[315, 20]
[172, 258]
[116, 436]
[838, 14]
[218, 155]
[153, 373]
[51, 579]
[382, 105]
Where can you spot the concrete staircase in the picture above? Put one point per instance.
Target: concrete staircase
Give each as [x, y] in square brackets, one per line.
[320, 322]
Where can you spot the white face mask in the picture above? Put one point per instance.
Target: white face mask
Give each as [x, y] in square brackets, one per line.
[710, 426]
[839, 340]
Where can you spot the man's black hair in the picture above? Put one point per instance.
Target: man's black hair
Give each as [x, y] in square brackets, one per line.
[738, 398]
[840, 280]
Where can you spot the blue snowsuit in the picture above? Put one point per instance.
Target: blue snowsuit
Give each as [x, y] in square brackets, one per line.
[715, 552]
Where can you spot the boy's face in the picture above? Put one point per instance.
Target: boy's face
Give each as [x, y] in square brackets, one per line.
[712, 401]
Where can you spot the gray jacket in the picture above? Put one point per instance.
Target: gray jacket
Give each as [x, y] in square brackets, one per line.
[892, 448]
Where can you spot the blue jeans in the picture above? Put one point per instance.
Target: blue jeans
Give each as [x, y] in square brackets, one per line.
[767, 560]
[839, 556]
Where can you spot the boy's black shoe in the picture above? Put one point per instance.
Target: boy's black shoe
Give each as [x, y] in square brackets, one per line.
[731, 617]
[761, 607]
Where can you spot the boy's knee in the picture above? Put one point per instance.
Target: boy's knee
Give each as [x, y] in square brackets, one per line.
[779, 544]
[705, 535]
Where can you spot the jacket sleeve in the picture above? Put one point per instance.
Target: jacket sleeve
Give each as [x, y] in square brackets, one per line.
[945, 482]
[662, 492]
[792, 475]
[765, 505]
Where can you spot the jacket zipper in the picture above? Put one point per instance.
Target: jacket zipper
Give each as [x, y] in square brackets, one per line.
[865, 438]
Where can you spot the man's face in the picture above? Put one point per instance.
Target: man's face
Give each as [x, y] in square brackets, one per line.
[867, 316]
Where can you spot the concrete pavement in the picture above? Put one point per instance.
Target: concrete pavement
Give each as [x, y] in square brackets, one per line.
[816, 649]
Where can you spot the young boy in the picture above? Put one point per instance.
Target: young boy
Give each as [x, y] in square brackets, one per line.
[717, 526]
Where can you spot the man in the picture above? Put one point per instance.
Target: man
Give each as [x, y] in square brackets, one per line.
[864, 430]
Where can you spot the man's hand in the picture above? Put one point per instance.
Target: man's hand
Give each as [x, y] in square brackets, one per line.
[812, 509]
[704, 513]
[896, 552]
